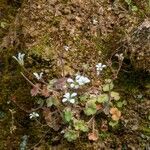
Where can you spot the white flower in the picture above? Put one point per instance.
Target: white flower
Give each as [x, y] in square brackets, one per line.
[66, 48]
[95, 21]
[69, 97]
[100, 67]
[120, 56]
[20, 58]
[38, 76]
[81, 80]
[69, 80]
[33, 115]
[74, 85]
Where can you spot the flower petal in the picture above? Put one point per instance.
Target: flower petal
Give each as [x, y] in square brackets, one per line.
[67, 95]
[36, 75]
[69, 80]
[76, 86]
[78, 77]
[73, 94]
[72, 101]
[15, 58]
[64, 100]
[86, 80]
[103, 66]
[72, 85]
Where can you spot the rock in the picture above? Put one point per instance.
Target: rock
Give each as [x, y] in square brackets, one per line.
[139, 46]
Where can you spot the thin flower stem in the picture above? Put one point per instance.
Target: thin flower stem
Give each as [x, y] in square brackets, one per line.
[42, 138]
[91, 119]
[32, 75]
[13, 127]
[93, 125]
[120, 65]
[29, 81]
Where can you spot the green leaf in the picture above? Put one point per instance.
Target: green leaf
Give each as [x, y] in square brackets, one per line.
[40, 102]
[128, 1]
[108, 81]
[90, 108]
[107, 87]
[2, 114]
[3, 25]
[119, 104]
[103, 98]
[71, 135]
[68, 115]
[134, 8]
[104, 135]
[83, 98]
[148, 86]
[50, 102]
[113, 123]
[51, 83]
[80, 125]
[115, 95]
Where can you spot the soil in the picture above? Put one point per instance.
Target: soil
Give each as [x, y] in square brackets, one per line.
[92, 31]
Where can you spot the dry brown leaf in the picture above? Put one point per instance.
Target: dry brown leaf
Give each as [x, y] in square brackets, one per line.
[47, 116]
[60, 84]
[52, 120]
[93, 136]
[45, 92]
[116, 114]
[104, 126]
[35, 90]
[99, 107]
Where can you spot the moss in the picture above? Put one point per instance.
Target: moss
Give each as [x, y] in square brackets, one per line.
[145, 130]
[42, 50]
[85, 50]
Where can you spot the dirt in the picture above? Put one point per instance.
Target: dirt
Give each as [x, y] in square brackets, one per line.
[93, 31]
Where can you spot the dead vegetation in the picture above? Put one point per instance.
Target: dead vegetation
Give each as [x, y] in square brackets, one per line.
[92, 31]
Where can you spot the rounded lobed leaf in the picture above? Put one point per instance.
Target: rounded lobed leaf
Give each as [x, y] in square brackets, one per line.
[103, 98]
[107, 87]
[68, 115]
[90, 108]
[71, 135]
[115, 95]
[80, 125]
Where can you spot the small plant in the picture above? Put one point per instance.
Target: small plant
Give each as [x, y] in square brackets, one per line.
[131, 6]
[71, 135]
[33, 115]
[20, 58]
[23, 144]
[99, 68]
[69, 97]
[38, 76]
[74, 106]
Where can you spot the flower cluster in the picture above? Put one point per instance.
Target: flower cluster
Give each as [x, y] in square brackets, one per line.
[38, 76]
[99, 68]
[79, 81]
[66, 47]
[120, 56]
[20, 58]
[94, 21]
[68, 97]
[33, 115]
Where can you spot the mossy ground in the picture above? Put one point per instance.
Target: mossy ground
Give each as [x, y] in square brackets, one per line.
[44, 55]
